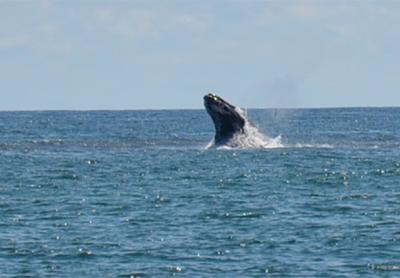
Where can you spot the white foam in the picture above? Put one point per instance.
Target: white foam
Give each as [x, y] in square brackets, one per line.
[318, 146]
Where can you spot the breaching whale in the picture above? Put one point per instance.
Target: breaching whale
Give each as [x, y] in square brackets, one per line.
[232, 129]
[228, 121]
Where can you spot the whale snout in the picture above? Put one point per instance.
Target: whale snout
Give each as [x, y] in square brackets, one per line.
[210, 97]
[210, 100]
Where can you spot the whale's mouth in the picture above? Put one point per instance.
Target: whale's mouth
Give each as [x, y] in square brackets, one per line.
[226, 117]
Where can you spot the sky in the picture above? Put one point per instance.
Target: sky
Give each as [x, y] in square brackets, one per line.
[87, 54]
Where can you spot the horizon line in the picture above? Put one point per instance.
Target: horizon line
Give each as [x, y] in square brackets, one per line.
[193, 109]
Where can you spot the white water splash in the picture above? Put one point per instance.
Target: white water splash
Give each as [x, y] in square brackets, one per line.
[315, 146]
[252, 138]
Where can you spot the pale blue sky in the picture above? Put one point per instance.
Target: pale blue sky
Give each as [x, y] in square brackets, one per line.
[167, 54]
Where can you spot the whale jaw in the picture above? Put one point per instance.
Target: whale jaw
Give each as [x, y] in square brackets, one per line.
[227, 120]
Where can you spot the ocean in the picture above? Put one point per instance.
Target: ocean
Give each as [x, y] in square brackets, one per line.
[138, 194]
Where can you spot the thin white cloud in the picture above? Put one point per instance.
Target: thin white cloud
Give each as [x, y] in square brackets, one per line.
[306, 11]
[34, 26]
[40, 40]
[46, 4]
[15, 41]
[105, 15]
[139, 23]
[322, 11]
[131, 23]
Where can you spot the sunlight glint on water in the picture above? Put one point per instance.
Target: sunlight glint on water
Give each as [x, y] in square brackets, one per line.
[134, 193]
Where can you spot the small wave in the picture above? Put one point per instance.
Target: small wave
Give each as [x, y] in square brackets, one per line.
[57, 141]
[318, 146]
[244, 141]
[384, 267]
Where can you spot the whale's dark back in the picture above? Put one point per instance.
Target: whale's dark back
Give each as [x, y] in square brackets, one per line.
[227, 120]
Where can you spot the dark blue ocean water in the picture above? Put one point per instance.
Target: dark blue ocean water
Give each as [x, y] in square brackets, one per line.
[136, 194]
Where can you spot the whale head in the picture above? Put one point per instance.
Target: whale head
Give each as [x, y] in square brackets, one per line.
[226, 117]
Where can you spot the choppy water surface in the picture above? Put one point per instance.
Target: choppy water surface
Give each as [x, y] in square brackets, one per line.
[136, 194]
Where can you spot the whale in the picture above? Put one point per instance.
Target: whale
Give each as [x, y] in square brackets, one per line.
[228, 120]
